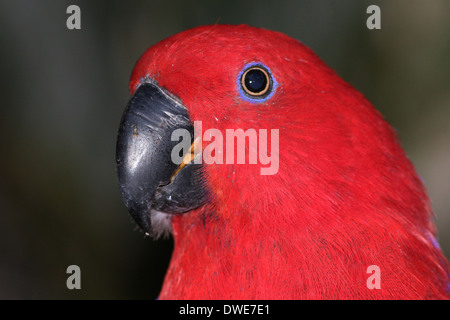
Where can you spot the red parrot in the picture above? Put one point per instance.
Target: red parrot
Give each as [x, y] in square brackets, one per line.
[342, 196]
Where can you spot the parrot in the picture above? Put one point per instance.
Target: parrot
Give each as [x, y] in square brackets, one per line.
[342, 213]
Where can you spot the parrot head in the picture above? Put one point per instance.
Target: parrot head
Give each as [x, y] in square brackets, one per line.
[319, 166]
[234, 77]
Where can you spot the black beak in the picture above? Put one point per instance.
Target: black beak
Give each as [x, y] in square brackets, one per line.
[148, 178]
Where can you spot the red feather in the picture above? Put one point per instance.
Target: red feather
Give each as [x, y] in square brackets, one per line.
[345, 196]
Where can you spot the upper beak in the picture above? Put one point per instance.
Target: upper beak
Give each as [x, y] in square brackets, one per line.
[148, 178]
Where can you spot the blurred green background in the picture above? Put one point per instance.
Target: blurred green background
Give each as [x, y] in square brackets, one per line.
[63, 92]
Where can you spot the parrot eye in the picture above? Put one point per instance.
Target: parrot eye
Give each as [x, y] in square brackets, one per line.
[256, 82]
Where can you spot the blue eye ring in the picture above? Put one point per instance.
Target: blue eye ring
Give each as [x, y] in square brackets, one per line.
[262, 89]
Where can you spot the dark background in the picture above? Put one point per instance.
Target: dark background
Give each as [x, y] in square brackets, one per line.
[63, 92]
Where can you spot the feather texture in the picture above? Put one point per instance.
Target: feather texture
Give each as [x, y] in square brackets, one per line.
[345, 196]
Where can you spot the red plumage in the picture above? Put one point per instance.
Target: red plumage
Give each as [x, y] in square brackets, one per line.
[345, 196]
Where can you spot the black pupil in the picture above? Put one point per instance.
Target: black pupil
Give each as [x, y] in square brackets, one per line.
[255, 81]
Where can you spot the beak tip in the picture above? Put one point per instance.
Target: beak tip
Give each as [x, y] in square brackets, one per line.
[134, 196]
[140, 213]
